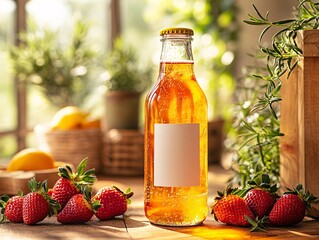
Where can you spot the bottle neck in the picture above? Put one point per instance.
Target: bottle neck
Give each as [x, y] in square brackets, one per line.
[176, 48]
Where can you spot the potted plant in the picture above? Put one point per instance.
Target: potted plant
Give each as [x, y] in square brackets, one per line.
[125, 81]
[61, 72]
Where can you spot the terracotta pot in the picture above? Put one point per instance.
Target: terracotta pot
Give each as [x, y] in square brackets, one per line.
[121, 110]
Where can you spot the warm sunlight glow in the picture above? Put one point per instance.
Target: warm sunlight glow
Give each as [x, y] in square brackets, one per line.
[51, 14]
[7, 7]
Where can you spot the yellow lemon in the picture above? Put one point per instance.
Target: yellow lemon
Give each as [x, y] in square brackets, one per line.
[31, 159]
[68, 118]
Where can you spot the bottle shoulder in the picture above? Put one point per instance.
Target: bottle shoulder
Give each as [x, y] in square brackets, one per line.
[168, 88]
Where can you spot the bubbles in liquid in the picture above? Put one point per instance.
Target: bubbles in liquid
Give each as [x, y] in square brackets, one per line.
[177, 98]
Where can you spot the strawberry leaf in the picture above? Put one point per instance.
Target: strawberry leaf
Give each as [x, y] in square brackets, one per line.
[68, 168]
[3, 199]
[96, 205]
[89, 172]
[81, 167]
[221, 194]
[33, 185]
[63, 173]
[128, 191]
[44, 186]
[265, 178]
[20, 193]
[252, 182]
[265, 185]
[299, 187]
[273, 188]
[257, 224]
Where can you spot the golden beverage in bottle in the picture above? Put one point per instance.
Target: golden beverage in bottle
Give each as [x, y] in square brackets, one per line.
[175, 171]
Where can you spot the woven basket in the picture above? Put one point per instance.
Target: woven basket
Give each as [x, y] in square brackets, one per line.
[123, 152]
[71, 146]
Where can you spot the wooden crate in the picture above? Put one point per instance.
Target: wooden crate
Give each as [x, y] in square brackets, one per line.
[299, 121]
[123, 152]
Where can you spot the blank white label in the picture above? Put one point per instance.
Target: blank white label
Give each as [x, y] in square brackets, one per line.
[176, 155]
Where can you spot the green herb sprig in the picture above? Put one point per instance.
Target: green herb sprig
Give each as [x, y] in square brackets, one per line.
[284, 53]
[256, 129]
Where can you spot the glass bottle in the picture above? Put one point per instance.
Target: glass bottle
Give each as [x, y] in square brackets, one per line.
[175, 164]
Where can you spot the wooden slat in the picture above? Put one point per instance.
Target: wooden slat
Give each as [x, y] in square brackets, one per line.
[310, 40]
[309, 168]
[289, 143]
[299, 120]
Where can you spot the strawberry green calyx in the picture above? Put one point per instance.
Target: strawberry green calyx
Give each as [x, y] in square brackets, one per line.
[263, 182]
[307, 197]
[227, 191]
[127, 194]
[87, 193]
[257, 224]
[42, 188]
[81, 177]
[3, 202]
[70, 184]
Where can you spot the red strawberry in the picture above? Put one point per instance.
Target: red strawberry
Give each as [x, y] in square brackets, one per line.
[11, 208]
[290, 208]
[70, 183]
[79, 208]
[113, 200]
[37, 204]
[231, 209]
[262, 196]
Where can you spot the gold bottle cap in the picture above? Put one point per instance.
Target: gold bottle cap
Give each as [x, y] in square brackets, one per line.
[176, 31]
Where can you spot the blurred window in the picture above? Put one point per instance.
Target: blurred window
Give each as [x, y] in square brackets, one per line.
[8, 119]
[23, 108]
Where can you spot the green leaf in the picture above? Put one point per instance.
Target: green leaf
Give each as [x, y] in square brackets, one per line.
[258, 13]
[247, 141]
[254, 22]
[247, 126]
[265, 178]
[44, 186]
[33, 185]
[19, 193]
[82, 166]
[283, 22]
[128, 191]
[69, 168]
[263, 33]
[221, 194]
[63, 173]
[299, 187]
[252, 182]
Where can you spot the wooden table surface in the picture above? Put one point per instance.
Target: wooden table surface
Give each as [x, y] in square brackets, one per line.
[134, 225]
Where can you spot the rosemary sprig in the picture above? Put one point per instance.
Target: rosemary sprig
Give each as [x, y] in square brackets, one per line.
[284, 53]
[257, 130]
